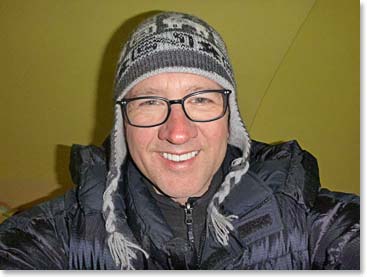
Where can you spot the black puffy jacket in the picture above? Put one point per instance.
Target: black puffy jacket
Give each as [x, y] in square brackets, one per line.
[285, 221]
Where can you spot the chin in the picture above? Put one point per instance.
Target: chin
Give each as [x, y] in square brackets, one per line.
[177, 193]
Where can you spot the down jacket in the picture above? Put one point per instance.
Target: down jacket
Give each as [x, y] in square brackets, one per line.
[285, 221]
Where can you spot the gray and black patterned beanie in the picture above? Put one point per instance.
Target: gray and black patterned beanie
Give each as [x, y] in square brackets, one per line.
[171, 42]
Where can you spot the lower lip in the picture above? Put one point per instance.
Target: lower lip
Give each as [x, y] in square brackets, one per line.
[179, 165]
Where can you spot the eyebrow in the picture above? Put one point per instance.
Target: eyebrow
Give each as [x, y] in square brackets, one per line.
[153, 91]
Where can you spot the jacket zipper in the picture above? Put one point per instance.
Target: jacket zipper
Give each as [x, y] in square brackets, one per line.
[189, 222]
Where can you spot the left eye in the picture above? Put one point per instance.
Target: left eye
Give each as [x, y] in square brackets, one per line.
[201, 100]
[150, 102]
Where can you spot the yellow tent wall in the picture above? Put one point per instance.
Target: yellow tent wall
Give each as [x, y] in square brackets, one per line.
[296, 63]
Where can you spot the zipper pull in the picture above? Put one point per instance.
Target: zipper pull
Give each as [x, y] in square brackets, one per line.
[188, 213]
[188, 222]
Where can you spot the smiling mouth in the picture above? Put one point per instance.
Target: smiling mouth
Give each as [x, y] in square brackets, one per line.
[179, 158]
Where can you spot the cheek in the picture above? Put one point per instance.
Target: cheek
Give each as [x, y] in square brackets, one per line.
[138, 140]
[217, 134]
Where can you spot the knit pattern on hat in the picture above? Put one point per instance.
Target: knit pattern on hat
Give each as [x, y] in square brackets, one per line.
[171, 42]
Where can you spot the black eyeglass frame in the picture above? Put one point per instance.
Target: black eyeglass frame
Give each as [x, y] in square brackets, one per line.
[125, 101]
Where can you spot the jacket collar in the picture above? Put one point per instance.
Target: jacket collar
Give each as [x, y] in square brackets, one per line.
[147, 221]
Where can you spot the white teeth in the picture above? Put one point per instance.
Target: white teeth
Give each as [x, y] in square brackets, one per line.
[184, 157]
[180, 158]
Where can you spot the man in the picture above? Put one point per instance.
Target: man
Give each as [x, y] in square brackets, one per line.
[184, 187]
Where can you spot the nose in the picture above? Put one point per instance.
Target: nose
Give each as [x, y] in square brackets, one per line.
[178, 129]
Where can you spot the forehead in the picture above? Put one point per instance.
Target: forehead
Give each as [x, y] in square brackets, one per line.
[172, 85]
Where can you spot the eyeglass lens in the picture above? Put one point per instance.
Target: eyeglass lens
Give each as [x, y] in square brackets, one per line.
[150, 111]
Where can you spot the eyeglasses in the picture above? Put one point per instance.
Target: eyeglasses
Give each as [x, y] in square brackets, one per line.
[151, 111]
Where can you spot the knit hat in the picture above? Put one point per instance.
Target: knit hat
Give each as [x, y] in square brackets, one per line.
[171, 42]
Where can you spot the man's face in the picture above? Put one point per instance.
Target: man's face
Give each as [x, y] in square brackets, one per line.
[178, 135]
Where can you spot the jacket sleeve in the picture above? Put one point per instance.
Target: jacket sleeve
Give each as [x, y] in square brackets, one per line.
[35, 239]
[334, 224]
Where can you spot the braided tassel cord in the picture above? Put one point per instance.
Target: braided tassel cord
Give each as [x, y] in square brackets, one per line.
[122, 250]
[222, 224]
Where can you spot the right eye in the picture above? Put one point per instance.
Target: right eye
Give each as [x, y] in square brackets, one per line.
[150, 102]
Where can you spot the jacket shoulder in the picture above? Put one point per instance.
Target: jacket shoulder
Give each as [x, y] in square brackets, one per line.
[88, 172]
[88, 169]
[36, 238]
[288, 169]
[39, 238]
[331, 218]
